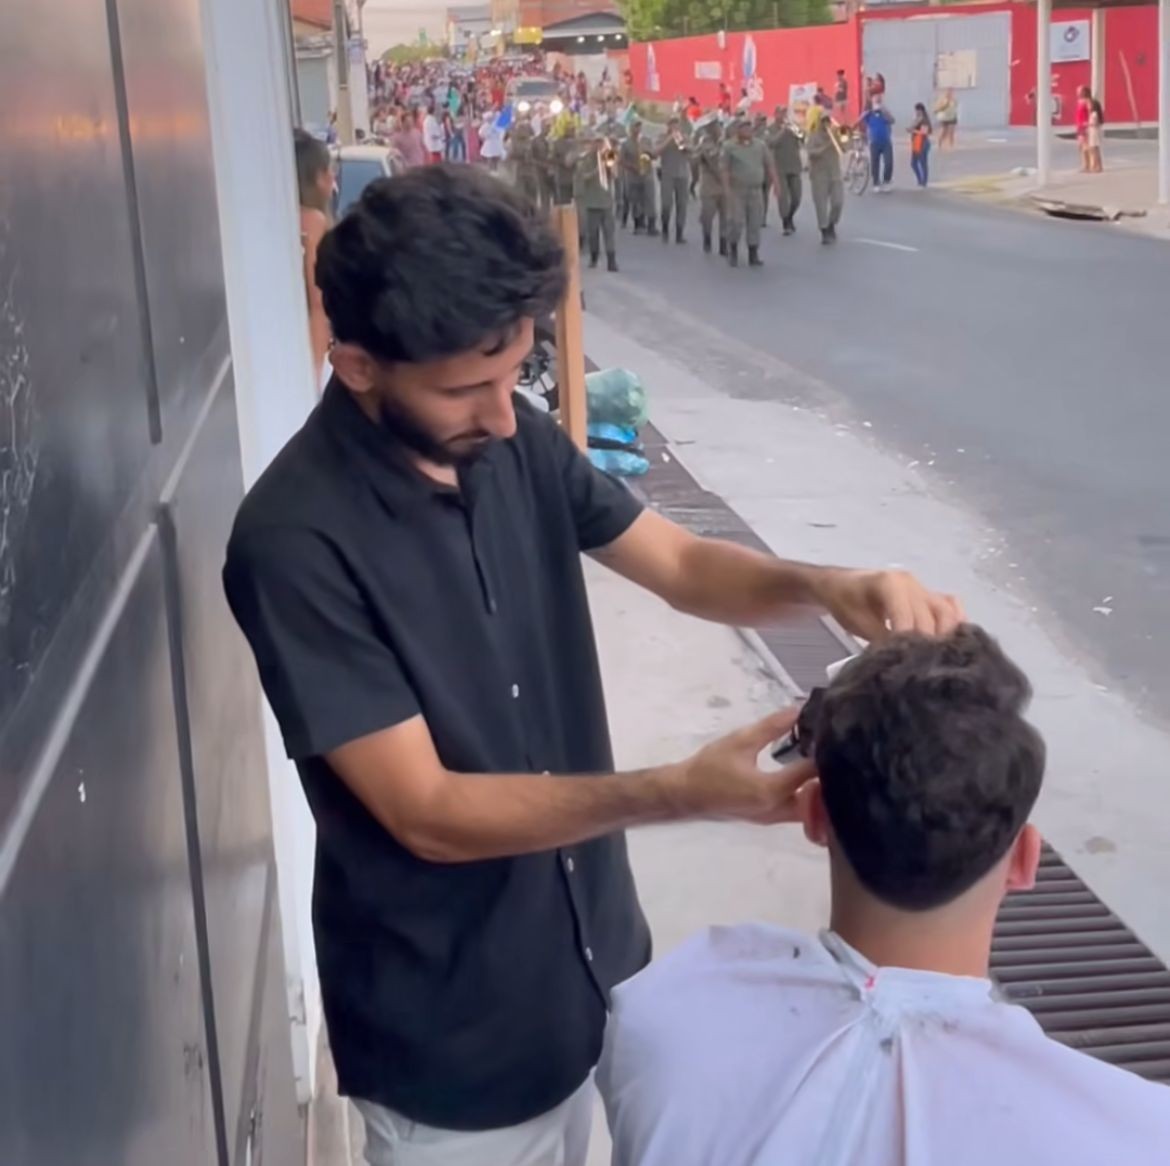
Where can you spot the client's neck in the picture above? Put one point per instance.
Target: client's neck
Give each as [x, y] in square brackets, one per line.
[954, 939]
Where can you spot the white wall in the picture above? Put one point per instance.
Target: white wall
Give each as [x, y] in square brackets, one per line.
[317, 86]
[251, 124]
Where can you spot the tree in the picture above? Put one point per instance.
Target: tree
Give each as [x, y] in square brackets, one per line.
[409, 54]
[657, 19]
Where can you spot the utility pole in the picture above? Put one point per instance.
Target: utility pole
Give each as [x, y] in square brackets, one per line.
[341, 63]
[1043, 92]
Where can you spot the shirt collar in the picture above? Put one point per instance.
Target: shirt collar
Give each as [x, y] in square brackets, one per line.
[383, 458]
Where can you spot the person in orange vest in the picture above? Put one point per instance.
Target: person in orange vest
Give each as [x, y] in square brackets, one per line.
[920, 131]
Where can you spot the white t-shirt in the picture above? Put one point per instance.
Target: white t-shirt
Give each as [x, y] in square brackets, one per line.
[433, 137]
[492, 137]
[757, 1046]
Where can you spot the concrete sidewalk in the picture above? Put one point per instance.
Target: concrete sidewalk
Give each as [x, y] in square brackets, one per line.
[1126, 193]
[806, 474]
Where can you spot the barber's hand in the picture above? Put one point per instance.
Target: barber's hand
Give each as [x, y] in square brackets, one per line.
[724, 779]
[873, 604]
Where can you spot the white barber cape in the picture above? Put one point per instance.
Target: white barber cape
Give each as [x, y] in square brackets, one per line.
[756, 1046]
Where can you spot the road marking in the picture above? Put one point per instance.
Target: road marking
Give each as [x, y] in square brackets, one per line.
[997, 141]
[882, 243]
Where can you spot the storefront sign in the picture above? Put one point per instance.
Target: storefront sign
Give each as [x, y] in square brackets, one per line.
[1070, 41]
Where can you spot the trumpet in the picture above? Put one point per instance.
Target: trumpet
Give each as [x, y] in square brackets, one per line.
[645, 161]
[609, 154]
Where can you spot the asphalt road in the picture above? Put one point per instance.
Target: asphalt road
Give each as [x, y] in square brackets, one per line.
[1023, 362]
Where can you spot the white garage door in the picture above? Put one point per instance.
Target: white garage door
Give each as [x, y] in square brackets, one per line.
[908, 54]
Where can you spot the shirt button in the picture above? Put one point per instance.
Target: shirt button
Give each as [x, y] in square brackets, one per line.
[589, 954]
[569, 865]
[515, 692]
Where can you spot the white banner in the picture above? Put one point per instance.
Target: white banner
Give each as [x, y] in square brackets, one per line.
[708, 70]
[1070, 41]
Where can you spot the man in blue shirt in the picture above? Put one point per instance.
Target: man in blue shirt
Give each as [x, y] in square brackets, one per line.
[878, 121]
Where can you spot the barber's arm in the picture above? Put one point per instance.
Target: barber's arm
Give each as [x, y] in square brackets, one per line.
[449, 817]
[339, 692]
[730, 584]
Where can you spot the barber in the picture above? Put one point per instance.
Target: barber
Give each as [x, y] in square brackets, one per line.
[408, 574]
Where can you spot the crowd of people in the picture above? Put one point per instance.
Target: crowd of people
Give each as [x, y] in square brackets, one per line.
[588, 146]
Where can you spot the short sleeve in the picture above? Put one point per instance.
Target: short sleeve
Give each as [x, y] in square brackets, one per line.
[328, 676]
[603, 509]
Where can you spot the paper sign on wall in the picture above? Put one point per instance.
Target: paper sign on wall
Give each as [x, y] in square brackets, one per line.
[708, 70]
[800, 97]
[956, 70]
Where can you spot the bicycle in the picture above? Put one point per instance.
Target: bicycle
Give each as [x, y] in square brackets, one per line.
[857, 164]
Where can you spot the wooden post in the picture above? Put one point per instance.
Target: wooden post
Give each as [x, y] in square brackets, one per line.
[570, 340]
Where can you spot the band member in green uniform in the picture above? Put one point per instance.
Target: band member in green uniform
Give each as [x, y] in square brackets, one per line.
[747, 167]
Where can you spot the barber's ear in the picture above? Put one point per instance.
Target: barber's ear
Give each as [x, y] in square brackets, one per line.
[1024, 860]
[353, 366]
[810, 805]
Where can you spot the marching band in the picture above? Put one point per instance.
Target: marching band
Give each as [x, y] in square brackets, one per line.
[731, 165]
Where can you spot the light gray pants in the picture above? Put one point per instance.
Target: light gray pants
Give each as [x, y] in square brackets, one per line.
[746, 216]
[557, 1138]
[828, 194]
[788, 196]
[675, 192]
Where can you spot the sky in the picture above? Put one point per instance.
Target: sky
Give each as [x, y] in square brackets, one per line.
[394, 22]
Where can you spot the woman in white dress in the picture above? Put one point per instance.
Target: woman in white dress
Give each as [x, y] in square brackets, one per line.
[492, 139]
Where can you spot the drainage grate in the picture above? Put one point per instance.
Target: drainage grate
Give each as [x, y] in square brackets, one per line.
[1057, 950]
[806, 644]
[1089, 981]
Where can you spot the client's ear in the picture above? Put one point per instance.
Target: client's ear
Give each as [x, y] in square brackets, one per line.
[1024, 860]
[810, 804]
[353, 365]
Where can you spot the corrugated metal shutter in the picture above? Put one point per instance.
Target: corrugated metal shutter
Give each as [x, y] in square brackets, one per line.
[906, 52]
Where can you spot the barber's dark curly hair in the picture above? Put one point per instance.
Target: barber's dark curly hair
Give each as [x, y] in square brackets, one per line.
[927, 766]
[437, 262]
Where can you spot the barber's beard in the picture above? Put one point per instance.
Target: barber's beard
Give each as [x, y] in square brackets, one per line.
[400, 425]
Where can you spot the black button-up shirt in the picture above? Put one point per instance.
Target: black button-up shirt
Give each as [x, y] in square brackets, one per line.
[467, 996]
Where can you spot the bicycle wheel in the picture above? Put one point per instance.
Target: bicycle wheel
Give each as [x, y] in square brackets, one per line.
[858, 174]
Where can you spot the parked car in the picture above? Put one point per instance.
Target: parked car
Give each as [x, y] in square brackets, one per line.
[357, 167]
[525, 92]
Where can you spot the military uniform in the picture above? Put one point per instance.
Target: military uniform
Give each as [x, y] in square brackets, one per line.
[593, 181]
[784, 142]
[711, 194]
[638, 178]
[746, 165]
[614, 130]
[525, 168]
[564, 153]
[824, 176]
[674, 180]
[760, 134]
[542, 156]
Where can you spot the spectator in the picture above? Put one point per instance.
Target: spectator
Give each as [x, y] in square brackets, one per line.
[491, 138]
[434, 139]
[947, 111]
[408, 140]
[841, 96]
[877, 122]
[880, 1042]
[920, 145]
[1089, 119]
[1096, 132]
[315, 195]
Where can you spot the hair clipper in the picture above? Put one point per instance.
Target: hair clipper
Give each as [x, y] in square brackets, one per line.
[798, 741]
